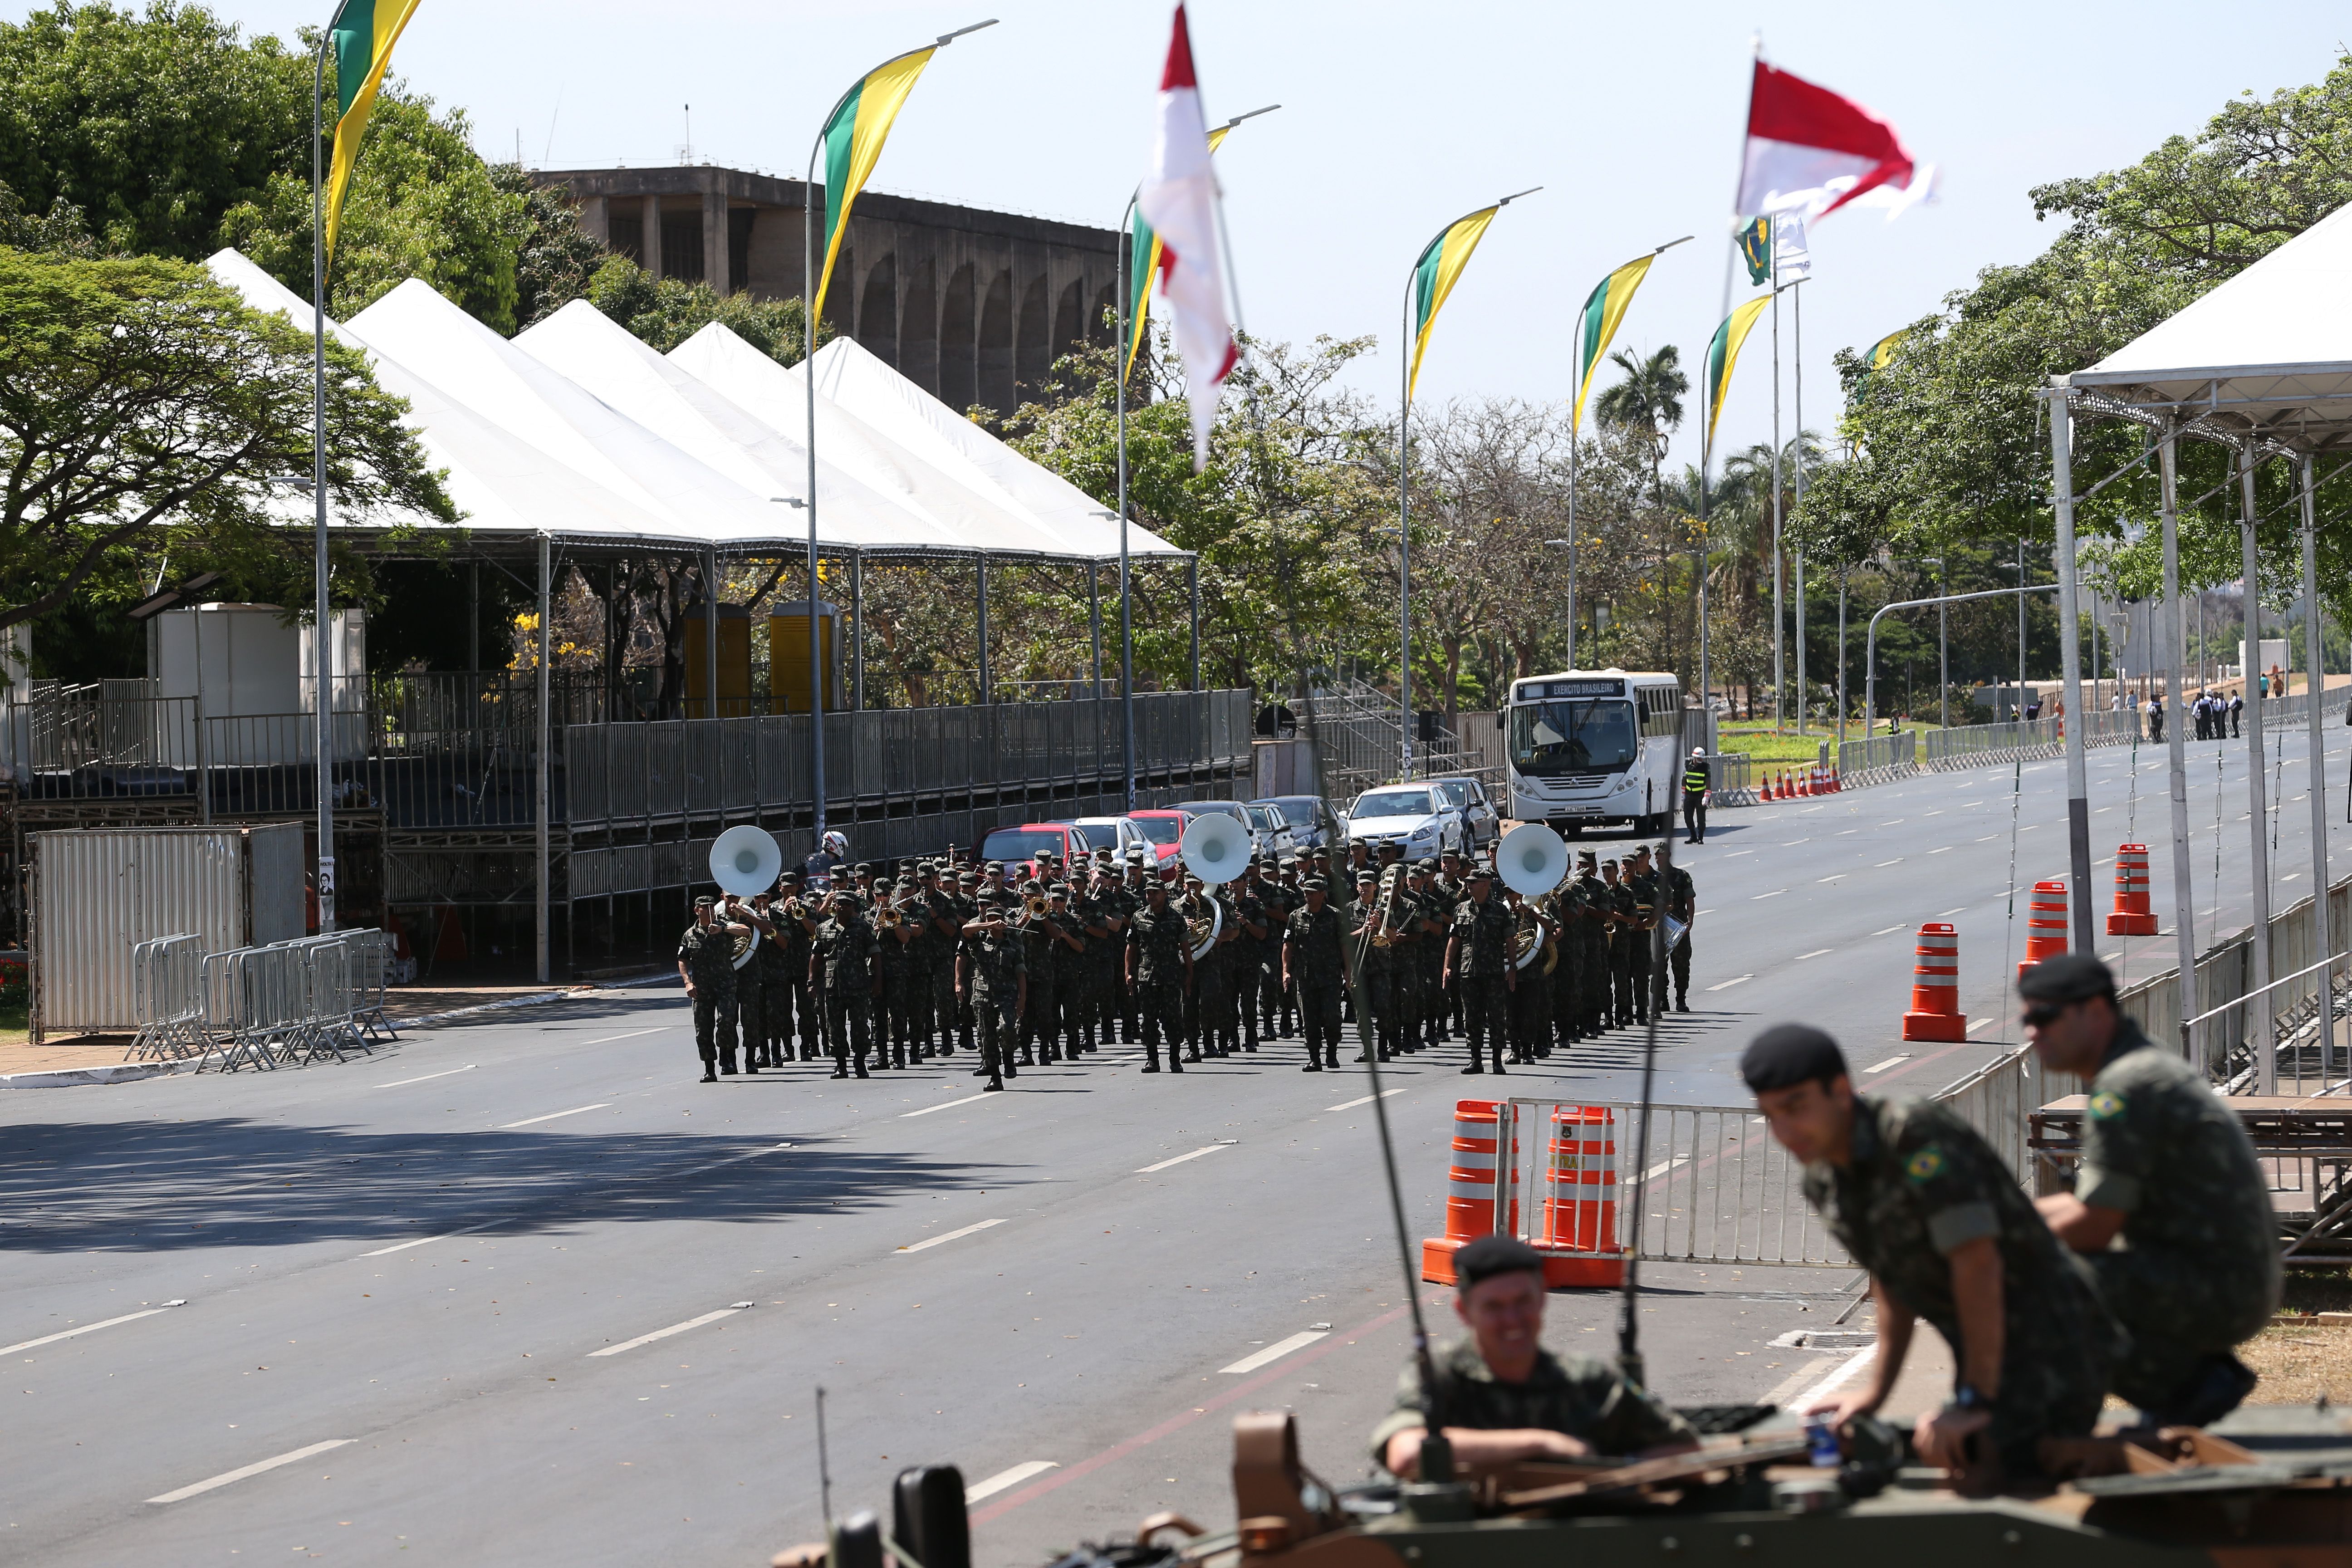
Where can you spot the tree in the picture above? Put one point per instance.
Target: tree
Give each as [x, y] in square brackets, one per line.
[666, 312]
[146, 410]
[1648, 406]
[555, 256]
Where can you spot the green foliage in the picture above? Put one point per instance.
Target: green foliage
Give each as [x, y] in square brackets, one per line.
[62, 231]
[154, 124]
[555, 256]
[147, 411]
[666, 312]
[422, 204]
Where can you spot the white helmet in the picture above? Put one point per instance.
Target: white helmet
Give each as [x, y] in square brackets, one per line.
[837, 844]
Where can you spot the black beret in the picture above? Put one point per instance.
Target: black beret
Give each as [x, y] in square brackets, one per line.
[1488, 1256]
[1786, 1055]
[2068, 977]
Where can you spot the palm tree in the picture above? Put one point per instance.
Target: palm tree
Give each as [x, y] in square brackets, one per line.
[1649, 404]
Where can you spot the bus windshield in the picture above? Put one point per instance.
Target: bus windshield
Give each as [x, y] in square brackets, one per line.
[1573, 735]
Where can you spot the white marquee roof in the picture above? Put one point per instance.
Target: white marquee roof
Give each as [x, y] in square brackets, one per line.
[578, 430]
[2267, 353]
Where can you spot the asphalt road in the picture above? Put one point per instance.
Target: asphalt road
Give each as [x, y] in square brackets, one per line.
[422, 1295]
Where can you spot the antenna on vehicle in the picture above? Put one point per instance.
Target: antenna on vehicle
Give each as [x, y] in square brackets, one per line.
[1629, 1347]
[823, 1472]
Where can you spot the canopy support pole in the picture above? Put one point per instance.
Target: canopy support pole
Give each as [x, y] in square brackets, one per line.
[1193, 576]
[710, 633]
[2078, 788]
[984, 696]
[544, 790]
[857, 631]
[2184, 907]
[2314, 690]
[1094, 621]
[2266, 1047]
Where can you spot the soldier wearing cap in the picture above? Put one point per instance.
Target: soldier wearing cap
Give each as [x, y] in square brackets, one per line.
[1314, 967]
[1451, 885]
[1598, 910]
[706, 962]
[1920, 1199]
[903, 973]
[1502, 1398]
[1625, 924]
[1105, 915]
[1279, 1008]
[1563, 908]
[996, 985]
[1159, 971]
[1642, 878]
[1681, 901]
[967, 909]
[771, 967]
[2169, 1206]
[1255, 929]
[842, 967]
[1478, 962]
[1376, 965]
[1063, 941]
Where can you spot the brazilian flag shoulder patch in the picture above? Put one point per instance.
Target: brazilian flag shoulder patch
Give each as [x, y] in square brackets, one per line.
[1925, 1165]
[2106, 1105]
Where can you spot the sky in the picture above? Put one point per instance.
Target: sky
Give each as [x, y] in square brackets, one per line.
[1395, 120]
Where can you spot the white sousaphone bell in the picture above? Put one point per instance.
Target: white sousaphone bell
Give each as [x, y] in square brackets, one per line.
[746, 861]
[1214, 848]
[1531, 861]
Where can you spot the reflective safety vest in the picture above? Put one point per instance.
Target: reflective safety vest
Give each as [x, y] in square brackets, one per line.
[1695, 779]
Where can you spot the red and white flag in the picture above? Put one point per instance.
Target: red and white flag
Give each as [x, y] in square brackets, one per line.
[1178, 200]
[1811, 151]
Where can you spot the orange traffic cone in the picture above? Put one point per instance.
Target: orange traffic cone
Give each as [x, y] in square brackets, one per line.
[1470, 1189]
[1579, 1242]
[2131, 915]
[2045, 925]
[1936, 987]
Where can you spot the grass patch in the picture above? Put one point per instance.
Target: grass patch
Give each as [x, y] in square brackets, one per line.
[2297, 1365]
[2317, 1290]
[1769, 748]
[16, 1023]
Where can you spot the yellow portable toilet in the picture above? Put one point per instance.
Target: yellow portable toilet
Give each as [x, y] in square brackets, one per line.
[734, 663]
[788, 656]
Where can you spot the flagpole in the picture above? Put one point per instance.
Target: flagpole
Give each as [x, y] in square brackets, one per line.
[1779, 673]
[322, 659]
[1404, 536]
[1575, 418]
[1126, 629]
[1796, 320]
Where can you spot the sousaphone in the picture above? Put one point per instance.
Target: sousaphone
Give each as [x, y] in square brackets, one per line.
[746, 861]
[1216, 849]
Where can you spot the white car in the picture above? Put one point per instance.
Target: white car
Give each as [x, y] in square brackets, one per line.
[1414, 817]
[1270, 831]
[1118, 834]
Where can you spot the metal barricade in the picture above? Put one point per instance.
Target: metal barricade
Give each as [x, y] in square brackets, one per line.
[167, 999]
[326, 1026]
[372, 955]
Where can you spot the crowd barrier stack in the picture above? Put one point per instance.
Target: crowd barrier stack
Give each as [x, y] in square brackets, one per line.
[167, 999]
[2045, 925]
[2132, 915]
[1935, 1014]
[313, 999]
[1473, 1177]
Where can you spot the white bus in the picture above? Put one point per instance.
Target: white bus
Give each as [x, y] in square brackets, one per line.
[1595, 748]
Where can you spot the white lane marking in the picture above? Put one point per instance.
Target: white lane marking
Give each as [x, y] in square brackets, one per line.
[1980, 1023]
[1822, 1389]
[673, 1329]
[226, 1476]
[87, 1329]
[1896, 823]
[951, 1235]
[1966, 804]
[397, 1082]
[1660, 1168]
[633, 1033]
[1988, 838]
[1179, 1159]
[552, 1115]
[1736, 854]
[1954, 911]
[1818, 881]
[1938, 812]
[1773, 894]
[1939, 851]
[1884, 929]
[944, 1105]
[1367, 1100]
[1730, 984]
[1786, 843]
[1891, 1061]
[404, 1245]
[1883, 864]
[1815, 954]
[1276, 1351]
[1005, 1480]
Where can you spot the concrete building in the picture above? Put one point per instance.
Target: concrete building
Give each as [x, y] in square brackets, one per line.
[971, 306]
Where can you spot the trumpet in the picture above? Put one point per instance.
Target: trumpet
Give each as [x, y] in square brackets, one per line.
[1036, 904]
[1385, 907]
[887, 918]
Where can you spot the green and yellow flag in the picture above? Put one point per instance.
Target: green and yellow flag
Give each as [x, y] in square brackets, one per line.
[1434, 274]
[1724, 353]
[1882, 351]
[1604, 309]
[1143, 241]
[853, 144]
[363, 32]
[1756, 249]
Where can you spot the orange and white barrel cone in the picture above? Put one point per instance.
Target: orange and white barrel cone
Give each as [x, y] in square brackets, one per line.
[2131, 916]
[1935, 1012]
[1469, 1189]
[1578, 1243]
[2046, 924]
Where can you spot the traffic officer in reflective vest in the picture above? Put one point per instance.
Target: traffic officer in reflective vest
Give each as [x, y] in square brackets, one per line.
[1695, 782]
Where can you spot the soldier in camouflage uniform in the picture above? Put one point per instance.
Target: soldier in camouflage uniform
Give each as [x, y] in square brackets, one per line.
[1159, 971]
[1504, 1398]
[1194, 904]
[1101, 915]
[2169, 1206]
[1624, 928]
[792, 1011]
[1375, 965]
[1314, 968]
[1531, 1002]
[1478, 962]
[995, 983]
[946, 917]
[1452, 889]
[1276, 900]
[1245, 906]
[1921, 1201]
[1597, 908]
[1642, 878]
[768, 980]
[901, 969]
[1142, 874]
[1284, 900]
[1421, 956]
[1681, 902]
[1564, 907]
[1065, 949]
[842, 964]
[706, 962]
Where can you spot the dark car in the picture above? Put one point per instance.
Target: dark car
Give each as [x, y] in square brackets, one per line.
[1310, 824]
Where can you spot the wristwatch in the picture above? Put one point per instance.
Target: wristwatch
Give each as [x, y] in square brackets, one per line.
[1966, 1397]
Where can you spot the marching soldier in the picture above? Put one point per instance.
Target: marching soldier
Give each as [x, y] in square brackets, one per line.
[1159, 970]
[995, 985]
[706, 962]
[1194, 906]
[842, 964]
[1625, 920]
[897, 931]
[1681, 902]
[1065, 945]
[967, 903]
[1564, 909]
[946, 921]
[1531, 1001]
[792, 1013]
[1375, 965]
[1478, 961]
[1644, 879]
[1277, 1015]
[1252, 928]
[1314, 968]
[1141, 874]
[772, 962]
[750, 992]
[1598, 909]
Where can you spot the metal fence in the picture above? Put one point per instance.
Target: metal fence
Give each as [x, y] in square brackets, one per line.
[312, 999]
[1718, 1188]
[1862, 762]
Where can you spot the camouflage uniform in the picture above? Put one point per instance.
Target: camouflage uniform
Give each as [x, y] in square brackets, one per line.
[1531, 1002]
[995, 966]
[795, 1013]
[844, 954]
[1275, 902]
[1438, 901]
[1921, 1182]
[772, 962]
[1446, 1001]
[1565, 905]
[1481, 958]
[1244, 908]
[1577, 1394]
[1594, 971]
[2196, 1268]
[1158, 940]
[708, 954]
[1624, 1009]
[1376, 968]
[1318, 971]
[1681, 902]
[1643, 952]
[940, 905]
[903, 976]
[1206, 982]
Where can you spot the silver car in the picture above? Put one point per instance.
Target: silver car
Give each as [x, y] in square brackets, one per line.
[1481, 823]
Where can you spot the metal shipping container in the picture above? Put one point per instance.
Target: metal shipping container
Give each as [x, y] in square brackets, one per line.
[97, 892]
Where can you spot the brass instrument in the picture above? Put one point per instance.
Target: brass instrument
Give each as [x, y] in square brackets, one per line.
[1527, 937]
[1202, 928]
[887, 917]
[1036, 904]
[1384, 906]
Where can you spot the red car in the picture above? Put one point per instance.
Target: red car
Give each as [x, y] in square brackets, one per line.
[1164, 828]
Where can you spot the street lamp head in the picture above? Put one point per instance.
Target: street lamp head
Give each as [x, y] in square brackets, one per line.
[787, 500]
[1253, 114]
[947, 38]
[1515, 195]
[1560, 543]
